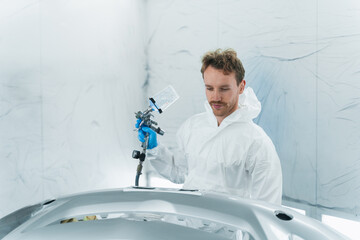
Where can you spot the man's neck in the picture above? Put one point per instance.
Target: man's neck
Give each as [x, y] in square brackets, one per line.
[221, 118]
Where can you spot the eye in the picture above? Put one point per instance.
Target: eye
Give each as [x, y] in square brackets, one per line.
[209, 88]
[224, 89]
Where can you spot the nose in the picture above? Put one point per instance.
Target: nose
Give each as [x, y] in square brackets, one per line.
[216, 96]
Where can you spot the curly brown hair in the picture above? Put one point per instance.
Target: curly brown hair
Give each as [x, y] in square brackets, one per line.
[225, 60]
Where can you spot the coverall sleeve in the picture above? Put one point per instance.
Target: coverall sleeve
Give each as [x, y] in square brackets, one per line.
[171, 164]
[266, 174]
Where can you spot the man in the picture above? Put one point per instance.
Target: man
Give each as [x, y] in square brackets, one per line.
[222, 150]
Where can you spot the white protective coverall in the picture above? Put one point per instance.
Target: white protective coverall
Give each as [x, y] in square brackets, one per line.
[236, 158]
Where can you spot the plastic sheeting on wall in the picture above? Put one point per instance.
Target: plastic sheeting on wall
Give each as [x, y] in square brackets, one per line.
[302, 60]
[71, 78]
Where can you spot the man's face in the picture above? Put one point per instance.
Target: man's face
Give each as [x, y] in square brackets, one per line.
[222, 92]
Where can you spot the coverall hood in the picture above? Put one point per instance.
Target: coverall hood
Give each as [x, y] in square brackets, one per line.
[249, 108]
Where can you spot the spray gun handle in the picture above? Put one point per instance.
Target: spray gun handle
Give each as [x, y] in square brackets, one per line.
[145, 144]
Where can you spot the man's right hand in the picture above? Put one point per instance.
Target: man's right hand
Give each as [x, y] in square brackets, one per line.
[143, 131]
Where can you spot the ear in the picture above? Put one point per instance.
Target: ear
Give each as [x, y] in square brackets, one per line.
[242, 86]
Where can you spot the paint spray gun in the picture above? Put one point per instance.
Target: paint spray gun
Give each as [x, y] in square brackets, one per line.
[157, 103]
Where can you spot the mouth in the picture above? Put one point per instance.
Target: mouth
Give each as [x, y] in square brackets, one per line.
[217, 106]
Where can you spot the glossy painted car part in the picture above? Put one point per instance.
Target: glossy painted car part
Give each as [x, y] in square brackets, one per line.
[137, 213]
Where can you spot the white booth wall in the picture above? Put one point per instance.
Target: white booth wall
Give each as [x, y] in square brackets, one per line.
[72, 73]
[71, 77]
[302, 58]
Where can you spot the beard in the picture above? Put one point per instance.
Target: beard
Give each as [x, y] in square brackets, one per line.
[220, 108]
[223, 109]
